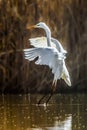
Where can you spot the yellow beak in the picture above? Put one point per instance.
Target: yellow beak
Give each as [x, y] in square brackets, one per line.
[30, 27]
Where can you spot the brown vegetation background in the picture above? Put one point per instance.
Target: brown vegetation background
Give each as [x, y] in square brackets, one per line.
[67, 20]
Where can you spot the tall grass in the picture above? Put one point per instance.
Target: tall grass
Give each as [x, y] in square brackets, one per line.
[68, 23]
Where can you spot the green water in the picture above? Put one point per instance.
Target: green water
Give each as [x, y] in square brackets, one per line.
[64, 112]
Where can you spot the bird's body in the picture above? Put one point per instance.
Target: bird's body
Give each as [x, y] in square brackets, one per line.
[47, 56]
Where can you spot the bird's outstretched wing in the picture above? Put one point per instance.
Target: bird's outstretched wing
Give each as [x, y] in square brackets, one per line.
[38, 42]
[47, 56]
[58, 45]
[42, 42]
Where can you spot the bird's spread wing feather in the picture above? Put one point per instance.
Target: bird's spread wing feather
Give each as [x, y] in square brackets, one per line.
[46, 56]
[58, 45]
[42, 42]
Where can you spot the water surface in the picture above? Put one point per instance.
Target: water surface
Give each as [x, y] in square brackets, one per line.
[64, 112]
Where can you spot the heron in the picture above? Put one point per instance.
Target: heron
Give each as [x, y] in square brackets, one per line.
[52, 42]
[51, 54]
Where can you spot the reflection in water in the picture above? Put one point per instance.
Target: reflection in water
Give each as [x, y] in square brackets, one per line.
[62, 125]
[64, 112]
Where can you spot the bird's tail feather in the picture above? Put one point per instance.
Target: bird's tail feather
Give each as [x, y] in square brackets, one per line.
[54, 82]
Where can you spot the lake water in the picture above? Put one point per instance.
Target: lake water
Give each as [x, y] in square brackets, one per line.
[63, 112]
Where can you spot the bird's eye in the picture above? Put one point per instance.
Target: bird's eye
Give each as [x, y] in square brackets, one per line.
[38, 25]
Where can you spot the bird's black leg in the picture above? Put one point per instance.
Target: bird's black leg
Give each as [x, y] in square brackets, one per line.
[51, 94]
[42, 98]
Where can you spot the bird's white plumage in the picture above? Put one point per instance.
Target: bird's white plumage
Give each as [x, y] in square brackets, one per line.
[47, 56]
[40, 42]
[58, 46]
[65, 74]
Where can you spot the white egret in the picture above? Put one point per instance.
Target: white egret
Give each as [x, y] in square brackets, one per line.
[51, 54]
[50, 42]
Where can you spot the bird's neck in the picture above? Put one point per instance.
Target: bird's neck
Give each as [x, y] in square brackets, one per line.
[48, 34]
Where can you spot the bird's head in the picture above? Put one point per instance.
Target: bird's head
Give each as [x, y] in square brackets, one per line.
[39, 25]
